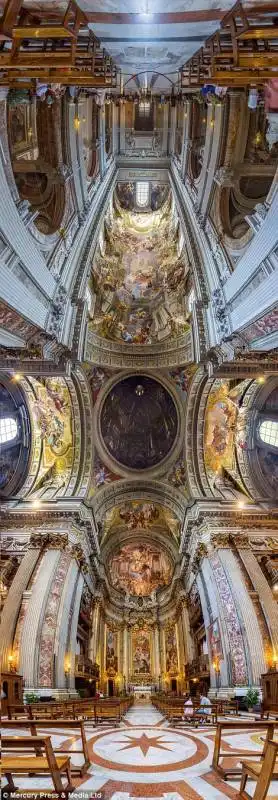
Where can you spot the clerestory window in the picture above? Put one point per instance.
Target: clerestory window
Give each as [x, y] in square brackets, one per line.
[268, 432]
[142, 193]
[8, 429]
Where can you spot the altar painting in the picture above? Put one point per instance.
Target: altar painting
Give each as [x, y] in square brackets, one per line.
[220, 423]
[140, 569]
[171, 651]
[141, 652]
[111, 652]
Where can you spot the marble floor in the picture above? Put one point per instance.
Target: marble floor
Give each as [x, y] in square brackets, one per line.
[145, 758]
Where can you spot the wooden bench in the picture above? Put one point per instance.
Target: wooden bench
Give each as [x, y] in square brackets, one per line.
[268, 708]
[32, 762]
[42, 724]
[108, 712]
[238, 727]
[261, 773]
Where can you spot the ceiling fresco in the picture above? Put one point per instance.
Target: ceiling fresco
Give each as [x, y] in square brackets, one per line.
[139, 422]
[134, 515]
[139, 277]
[51, 413]
[140, 569]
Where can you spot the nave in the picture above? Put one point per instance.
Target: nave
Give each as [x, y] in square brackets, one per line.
[145, 756]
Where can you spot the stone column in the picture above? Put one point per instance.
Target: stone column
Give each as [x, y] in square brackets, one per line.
[122, 129]
[102, 141]
[220, 607]
[33, 622]
[173, 118]
[125, 653]
[165, 132]
[66, 629]
[95, 632]
[188, 644]
[186, 129]
[74, 151]
[247, 615]
[261, 586]
[157, 652]
[13, 603]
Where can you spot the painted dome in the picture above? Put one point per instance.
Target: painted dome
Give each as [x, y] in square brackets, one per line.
[139, 422]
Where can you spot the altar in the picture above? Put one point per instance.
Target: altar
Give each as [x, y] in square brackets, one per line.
[142, 694]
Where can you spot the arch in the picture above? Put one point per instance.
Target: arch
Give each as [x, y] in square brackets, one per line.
[152, 491]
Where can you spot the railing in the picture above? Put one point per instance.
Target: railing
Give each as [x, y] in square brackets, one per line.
[85, 667]
[140, 144]
[197, 668]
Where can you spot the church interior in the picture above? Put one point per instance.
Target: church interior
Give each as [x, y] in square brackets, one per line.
[139, 399]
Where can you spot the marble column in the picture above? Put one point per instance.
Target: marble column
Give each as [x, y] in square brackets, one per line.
[102, 137]
[188, 644]
[13, 603]
[125, 653]
[261, 586]
[165, 132]
[122, 129]
[247, 614]
[95, 632]
[157, 651]
[66, 630]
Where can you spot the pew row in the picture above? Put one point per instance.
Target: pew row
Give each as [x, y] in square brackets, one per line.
[238, 727]
[33, 756]
[37, 727]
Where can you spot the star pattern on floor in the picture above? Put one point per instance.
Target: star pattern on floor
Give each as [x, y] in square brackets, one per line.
[145, 742]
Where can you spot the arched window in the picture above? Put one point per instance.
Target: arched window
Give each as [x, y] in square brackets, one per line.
[8, 429]
[268, 432]
[142, 193]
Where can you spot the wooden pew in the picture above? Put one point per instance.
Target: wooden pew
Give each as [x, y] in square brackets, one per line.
[108, 712]
[268, 708]
[38, 725]
[261, 773]
[238, 727]
[17, 711]
[36, 764]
